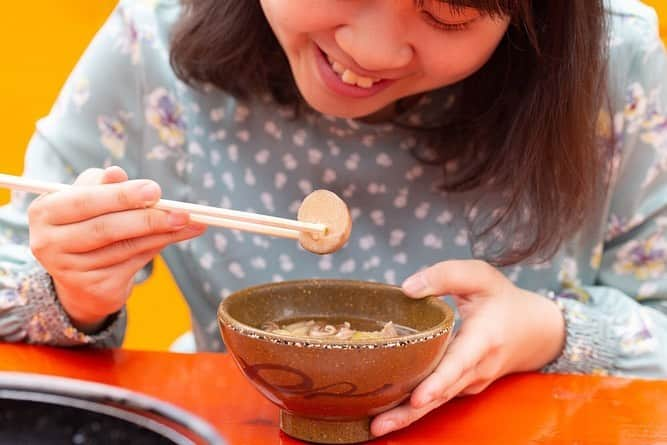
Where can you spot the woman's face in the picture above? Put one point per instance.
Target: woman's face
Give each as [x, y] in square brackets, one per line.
[351, 58]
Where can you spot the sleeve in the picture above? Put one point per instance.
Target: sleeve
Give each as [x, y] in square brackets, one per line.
[97, 121]
[619, 325]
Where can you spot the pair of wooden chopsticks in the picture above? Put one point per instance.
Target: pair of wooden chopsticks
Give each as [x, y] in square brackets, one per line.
[212, 216]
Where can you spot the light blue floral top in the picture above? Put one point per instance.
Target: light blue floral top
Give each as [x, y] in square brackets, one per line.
[123, 105]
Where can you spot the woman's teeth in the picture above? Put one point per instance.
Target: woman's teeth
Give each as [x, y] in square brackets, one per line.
[350, 77]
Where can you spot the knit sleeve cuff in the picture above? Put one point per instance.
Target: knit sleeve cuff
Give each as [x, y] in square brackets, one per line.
[588, 347]
[45, 320]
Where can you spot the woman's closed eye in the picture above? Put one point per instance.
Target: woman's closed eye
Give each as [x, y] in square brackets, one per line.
[444, 26]
[443, 17]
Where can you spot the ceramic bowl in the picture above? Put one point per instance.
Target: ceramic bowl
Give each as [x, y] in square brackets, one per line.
[327, 389]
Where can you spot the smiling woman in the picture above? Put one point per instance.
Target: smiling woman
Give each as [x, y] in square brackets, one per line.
[39, 47]
[559, 268]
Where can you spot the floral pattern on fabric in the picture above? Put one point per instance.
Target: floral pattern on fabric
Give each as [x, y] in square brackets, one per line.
[644, 259]
[165, 115]
[130, 36]
[112, 135]
[81, 92]
[637, 335]
[204, 146]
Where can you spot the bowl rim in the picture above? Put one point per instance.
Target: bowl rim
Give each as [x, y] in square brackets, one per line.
[446, 326]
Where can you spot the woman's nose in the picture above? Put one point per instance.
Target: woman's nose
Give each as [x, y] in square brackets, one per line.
[374, 38]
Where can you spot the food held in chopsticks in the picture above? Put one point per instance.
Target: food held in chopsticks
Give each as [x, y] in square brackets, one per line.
[324, 223]
[327, 208]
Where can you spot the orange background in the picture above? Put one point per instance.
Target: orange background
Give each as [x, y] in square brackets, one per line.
[40, 41]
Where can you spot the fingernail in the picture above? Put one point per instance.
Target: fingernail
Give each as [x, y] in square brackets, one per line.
[196, 227]
[178, 220]
[414, 285]
[150, 192]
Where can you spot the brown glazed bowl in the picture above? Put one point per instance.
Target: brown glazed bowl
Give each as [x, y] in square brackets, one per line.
[328, 389]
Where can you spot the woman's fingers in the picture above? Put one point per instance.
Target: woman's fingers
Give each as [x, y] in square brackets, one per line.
[97, 176]
[476, 356]
[127, 249]
[129, 269]
[91, 176]
[113, 175]
[400, 417]
[455, 277]
[82, 203]
[406, 414]
[456, 370]
[110, 286]
[96, 235]
[108, 229]
[475, 387]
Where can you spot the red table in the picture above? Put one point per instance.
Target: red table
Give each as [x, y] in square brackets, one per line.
[520, 409]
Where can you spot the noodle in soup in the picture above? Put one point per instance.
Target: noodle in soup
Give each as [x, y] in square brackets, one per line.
[345, 329]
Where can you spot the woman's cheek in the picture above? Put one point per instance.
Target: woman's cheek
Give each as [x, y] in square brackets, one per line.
[464, 56]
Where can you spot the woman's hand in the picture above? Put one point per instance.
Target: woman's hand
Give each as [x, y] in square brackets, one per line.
[504, 329]
[94, 238]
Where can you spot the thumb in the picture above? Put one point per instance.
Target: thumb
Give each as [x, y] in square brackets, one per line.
[456, 277]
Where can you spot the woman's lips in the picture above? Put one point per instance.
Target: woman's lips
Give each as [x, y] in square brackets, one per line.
[334, 82]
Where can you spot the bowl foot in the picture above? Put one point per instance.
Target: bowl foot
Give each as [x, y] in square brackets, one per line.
[325, 431]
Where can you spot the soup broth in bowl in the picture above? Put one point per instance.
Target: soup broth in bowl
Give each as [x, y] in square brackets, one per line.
[333, 353]
[337, 328]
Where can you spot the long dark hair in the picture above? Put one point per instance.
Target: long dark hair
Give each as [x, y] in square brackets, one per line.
[525, 122]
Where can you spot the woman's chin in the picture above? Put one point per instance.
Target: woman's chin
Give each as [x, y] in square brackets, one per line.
[346, 112]
[343, 108]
